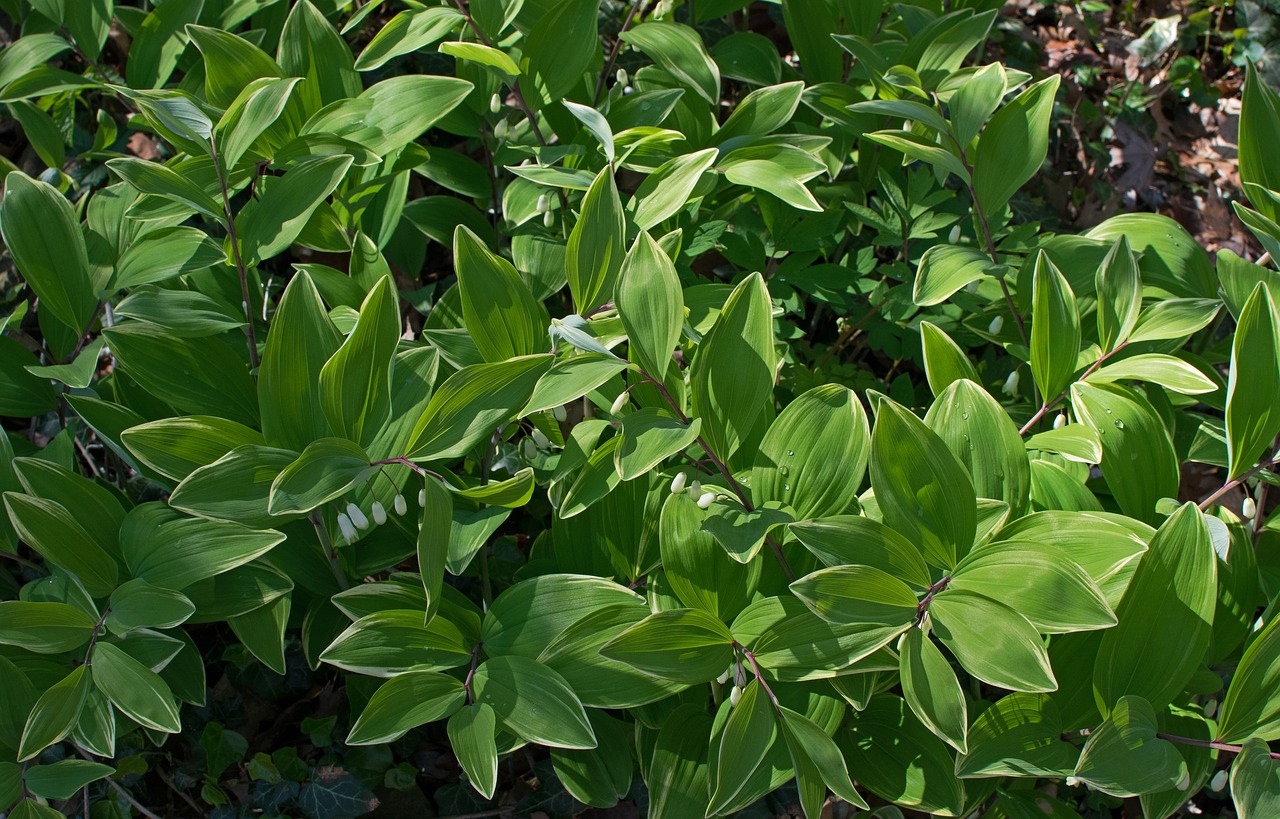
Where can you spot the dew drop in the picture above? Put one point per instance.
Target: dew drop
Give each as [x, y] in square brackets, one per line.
[965, 416]
[1119, 424]
[790, 453]
[1108, 410]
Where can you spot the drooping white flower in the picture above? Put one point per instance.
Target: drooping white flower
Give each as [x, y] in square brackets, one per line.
[401, 506]
[500, 130]
[540, 439]
[495, 104]
[348, 531]
[357, 516]
[1210, 708]
[544, 203]
[379, 513]
[706, 499]
[695, 489]
[621, 76]
[735, 694]
[1248, 509]
[1011, 383]
[1219, 781]
[1060, 421]
[560, 414]
[548, 219]
[724, 678]
[422, 497]
[678, 482]
[618, 403]
[996, 325]
[528, 449]
[955, 235]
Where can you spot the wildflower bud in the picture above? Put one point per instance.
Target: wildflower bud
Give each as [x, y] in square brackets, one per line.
[357, 516]
[1060, 421]
[1210, 708]
[528, 449]
[540, 439]
[379, 513]
[422, 497]
[1219, 781]
[695, 489]
[1248, 509]
[1011, 383]
[706, 499]
[735, 694]
[996, 325]
[560, 414]
[1072, 782]
[1184, 782]
[401, 506]
[544, 203]
[678, 482]
[500, 130]
[955, 235]
[618, 403]
[548, 219]
[972, 287]
[495, 104]
[621, 76]
[723, 678]
[348, 531]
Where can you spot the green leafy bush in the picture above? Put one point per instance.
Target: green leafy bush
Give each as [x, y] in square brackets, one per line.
[710, 424]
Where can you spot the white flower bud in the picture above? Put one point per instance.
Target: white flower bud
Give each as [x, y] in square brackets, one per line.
[348, 531]
[357, 516]
[401, 506]
[955, 235]
[1218, 782]
[500, 130]
[1060, 421]
[1210, 708]
[548, 219]
[495, 104]
[540, 439]
[621, 76]
[544, 203]
[379, 513]
[735, 694]
[1184, 782]
[1072, 782]
[1011, 383]
[996, 325]
[695, 489]
[678, 482]
[560, 414]
[618, 403]
[706, 499]
[1248, 509]
[528, 449]
[422, 497]
[724, 678]
[972, 287]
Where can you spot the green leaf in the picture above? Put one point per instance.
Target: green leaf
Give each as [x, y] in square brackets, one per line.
[176, 447]
[857, 594]
[138, 604]
[602, 775]
[923, 490]
[159, 43]
[53, 531]
[731, 377]
[677, 773]
[1259, 133]
[748, 736]
[841, 540]
[253, 113]
[1166, 370]
[649, 302]
[405, 702]
[666, 191]
[42, 233]
[266, 226]
[1165, 616]
[1037, 580]
[471, 736]
[701, 573]
[163, 181]
[528, 616]
[55, 713]
[172, 551]
[985, 440]
[1253, 386]
[946, 269]
[261, 631]
[1124, 757]
[686, 646]
[44, 628]
[1013, 145]
[814, 456]
[162, 254]
[743, 533]
[903, 109]
[930, 687]
[501, 314]
[487, 56]
[472, 403]
[1138, 459]
[392, 113]
[1055, 329]
[1251, 707]
[135, 690]
[236, 487]
[312, 49]
[649, 437]
[355, 384]
[1255, 781]
[761, 112]
[41, 132]
[533, 702]
[64, 779]
[679, 50]
[944, 360]
[1018, 735]
[325, 470]
[597, 245]
[780, 170]
[1174, 318]
[818, 763]
[1119, 286]
[973, 103]
[395, 641]
[992, 641]
[434, 533]
[407, 32]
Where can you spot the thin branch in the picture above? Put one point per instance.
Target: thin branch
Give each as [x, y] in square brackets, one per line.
[335, 564]
[183, 795]
[1229, 485]
[118, 788]
[1204, 743]
[1048, 405]
[235, 251]
[515, 84]
[632, 14]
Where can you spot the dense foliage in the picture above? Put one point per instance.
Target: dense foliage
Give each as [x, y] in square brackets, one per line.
[537, 404]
